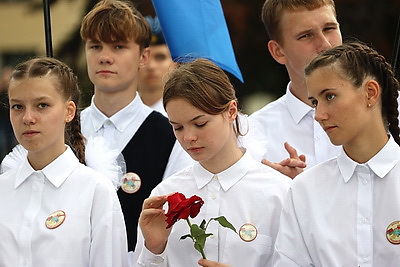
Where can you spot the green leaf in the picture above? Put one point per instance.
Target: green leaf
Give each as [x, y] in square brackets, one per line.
[224, 222]
[196, 231]
[203, 224]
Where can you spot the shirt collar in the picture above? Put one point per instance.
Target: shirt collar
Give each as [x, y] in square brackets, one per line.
[380, 164]
[226, 178]
[123, 118]
[56, 172]
[297, 108]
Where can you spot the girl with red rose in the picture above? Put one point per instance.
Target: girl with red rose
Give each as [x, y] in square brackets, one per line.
[202, 108]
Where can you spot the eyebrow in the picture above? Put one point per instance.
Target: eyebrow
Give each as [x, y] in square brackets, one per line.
[195, 118]
[320, 93]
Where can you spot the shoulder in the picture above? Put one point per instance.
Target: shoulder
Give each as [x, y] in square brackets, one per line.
[182, 179]
[266, 175]
[92, 177]
[271, 107]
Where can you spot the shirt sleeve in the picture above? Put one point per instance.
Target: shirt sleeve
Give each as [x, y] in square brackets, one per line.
[290, 248]
[109, 241]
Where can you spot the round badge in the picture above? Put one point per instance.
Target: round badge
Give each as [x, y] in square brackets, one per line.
[131, 183]
[248, 232]
[393, 233]
[55, 219]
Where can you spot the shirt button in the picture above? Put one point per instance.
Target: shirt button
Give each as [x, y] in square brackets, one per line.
[215, 178]
[365, 181]
[213, 197]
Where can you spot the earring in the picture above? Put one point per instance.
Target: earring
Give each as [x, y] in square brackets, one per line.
[369, 105]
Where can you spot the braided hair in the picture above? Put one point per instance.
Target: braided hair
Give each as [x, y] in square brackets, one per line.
[357, 62]
[67, 86]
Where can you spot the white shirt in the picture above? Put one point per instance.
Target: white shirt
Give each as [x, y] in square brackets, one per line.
[93, 233]
[159, 106]
[122, 126]
[247, 192]
[337, 213]
[287, 120]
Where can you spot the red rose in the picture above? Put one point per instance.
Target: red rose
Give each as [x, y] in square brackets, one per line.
[179, 207]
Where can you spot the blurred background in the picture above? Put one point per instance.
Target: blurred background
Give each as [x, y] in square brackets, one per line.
[22, 36]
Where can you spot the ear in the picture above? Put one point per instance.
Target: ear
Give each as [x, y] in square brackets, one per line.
[144, 57]
[373, 91]
[277, 52]
[232, 110]
[70, 111]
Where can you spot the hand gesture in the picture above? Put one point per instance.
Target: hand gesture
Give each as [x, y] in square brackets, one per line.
[291, 166]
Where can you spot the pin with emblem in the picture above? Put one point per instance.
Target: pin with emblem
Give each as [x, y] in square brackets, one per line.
[55, 219]
[248, 232]
[131, 183]
[393, 233]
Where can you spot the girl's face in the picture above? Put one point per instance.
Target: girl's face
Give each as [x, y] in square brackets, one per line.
[38, 115]
[206, 138]
[340, 108]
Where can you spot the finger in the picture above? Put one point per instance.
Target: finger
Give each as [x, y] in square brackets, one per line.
[293, 163]
[291, 150]
[155, 202]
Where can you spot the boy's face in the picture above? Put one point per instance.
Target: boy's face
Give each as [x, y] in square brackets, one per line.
[305, 34]
[114, 67]
[160, 62]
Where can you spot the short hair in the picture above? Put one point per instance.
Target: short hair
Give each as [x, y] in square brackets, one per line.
[272, 11]
[112, 21]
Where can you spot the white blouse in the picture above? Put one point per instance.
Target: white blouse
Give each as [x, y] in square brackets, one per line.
[338, 213]
[93, 230]
[247, 192]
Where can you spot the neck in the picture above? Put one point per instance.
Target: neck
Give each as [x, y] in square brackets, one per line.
[367, 146]
[150, 97]
[111, 103]
[40, 159]
[299, 90]
[224, 159]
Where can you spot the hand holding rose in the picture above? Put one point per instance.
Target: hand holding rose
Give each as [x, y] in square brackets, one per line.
[153, 225]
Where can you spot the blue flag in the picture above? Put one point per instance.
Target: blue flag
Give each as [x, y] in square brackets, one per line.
[197, 28]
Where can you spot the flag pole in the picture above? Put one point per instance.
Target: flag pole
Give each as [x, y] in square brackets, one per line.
[47, 28]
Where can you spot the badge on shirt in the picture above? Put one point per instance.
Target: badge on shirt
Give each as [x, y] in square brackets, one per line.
[248, 232]
[131, 183]
[393, 233]
[55, 219]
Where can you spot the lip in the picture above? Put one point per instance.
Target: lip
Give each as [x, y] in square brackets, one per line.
[194, 149]
[30, 133]
[328, 128]
[105, 72]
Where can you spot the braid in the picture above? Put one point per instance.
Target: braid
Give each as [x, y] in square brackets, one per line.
[357, 62]
[75, 139]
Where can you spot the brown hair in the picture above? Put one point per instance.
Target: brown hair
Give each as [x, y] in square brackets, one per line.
[67, 86]
[272, 11]
[113, 21]
[204, 85]
[357, 61]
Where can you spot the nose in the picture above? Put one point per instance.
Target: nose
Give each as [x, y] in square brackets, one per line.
[105, 57]
[189, 136]
[28, 117]
[323, 43]
[320, 114]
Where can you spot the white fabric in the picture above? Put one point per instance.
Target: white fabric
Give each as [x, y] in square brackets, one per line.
[288, 120]
[247, 192]
[122, 126]
[93, 233]
[337, 213]
[159, 106]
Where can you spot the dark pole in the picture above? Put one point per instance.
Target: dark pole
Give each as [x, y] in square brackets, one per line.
[47, 28]
[396, 47]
